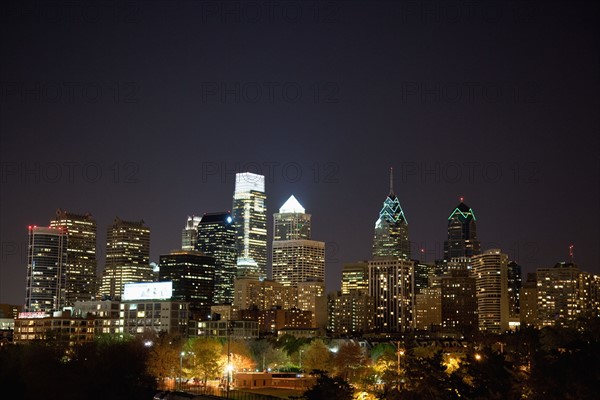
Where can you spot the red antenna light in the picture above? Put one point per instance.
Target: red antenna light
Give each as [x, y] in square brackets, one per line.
[461, 199]
[571, 252]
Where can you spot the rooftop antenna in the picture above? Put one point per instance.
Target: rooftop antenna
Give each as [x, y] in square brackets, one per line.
[571, 253]
[391, 180]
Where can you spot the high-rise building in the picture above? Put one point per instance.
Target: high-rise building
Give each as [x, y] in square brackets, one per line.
[491, 279]
[514, 289]
[45, 288]
[528, 301]
[459, 300]
[127, 257]
[391, 285]
[189, 234]
[216, 238]
[355, 277]
[81, 276]
[391, 229]
[192, 274]
[291, 222]
[462, 233]
[296, 258]
[250, 219]
[559, 294]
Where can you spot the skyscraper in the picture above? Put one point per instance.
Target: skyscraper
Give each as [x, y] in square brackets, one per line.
[296, 258]
[46, 269]
[250, 219]
[462, 233]
[127, 257]
[216, 238]
[491, 280]
[291, 222]
[189, 234]
[391, 285]
[192, 274]
[81, 277]
[391, 229]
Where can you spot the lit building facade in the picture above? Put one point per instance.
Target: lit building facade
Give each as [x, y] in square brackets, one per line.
[46, 277]
[81, 276]
[355, 277]
[491, 279]
[127, 257]
[216, 238]
[189, 234]
[391, 285]
[250, 218]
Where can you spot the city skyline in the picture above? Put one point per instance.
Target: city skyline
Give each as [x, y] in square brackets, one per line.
[147, 111]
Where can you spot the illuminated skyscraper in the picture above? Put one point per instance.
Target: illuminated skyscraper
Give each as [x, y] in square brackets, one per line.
[296, 258]
[81, 277]
[250, 219]
[46, 269]
[491, 280]
[216, 238]
[462, 233]
[291, 222]
[391, 229]
[189, 235]
[127, 257]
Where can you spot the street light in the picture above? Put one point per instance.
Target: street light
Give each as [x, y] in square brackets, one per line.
[400, 352]
[181, 368]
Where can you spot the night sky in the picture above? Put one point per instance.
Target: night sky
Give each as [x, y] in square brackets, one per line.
[145, 110]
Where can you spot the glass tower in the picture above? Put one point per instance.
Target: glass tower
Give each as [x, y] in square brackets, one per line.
[189, 234]
[391, 229]
[250, 219]
[46, 269]
[216, 238]
[462, 233]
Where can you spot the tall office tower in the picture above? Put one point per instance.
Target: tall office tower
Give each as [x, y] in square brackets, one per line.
[189, 234]
[391, 285]
[528, 302]
[250, 219]
[81, 275]
[45, 288]
[216, 238]
[391, 229]
[291, 222]
[355, 277]
[491, 279]
[296, 258]
[559, 294]
[462, 233]
[192, 273]
[514, 289]
[127, 257]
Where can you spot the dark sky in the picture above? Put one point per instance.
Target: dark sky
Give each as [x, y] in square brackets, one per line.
[145, 110]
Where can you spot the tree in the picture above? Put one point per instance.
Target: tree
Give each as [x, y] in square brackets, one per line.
[208, 358]
[316, 357]
[349, 358]
[329, 388]
[163, 358]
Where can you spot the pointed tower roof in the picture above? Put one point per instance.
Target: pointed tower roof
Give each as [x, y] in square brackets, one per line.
[291, 206]
[464, 210]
